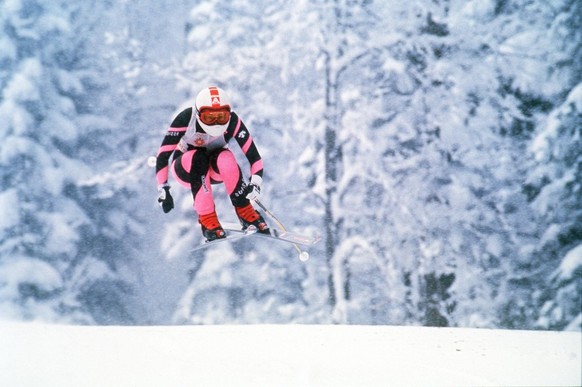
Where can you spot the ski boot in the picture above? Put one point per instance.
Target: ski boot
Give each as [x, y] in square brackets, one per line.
[248, 216]
[211, 228]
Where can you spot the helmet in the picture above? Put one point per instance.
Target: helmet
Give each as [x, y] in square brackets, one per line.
[213, 110]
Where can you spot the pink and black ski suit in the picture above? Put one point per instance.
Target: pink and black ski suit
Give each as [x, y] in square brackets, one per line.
[207, 160]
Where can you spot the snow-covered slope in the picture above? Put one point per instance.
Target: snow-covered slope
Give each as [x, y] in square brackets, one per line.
[285, 355]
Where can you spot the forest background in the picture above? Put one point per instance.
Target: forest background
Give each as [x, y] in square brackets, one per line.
[433, 144]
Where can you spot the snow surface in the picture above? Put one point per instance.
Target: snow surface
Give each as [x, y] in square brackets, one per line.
[285, 355]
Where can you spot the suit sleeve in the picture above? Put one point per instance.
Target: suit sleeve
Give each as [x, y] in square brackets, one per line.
[175, 132]
[244, 139]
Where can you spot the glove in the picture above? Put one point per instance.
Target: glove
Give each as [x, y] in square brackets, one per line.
[165, 199]
[253, 189]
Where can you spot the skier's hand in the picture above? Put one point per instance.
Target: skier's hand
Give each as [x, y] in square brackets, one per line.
[254, 187]
[165, 199]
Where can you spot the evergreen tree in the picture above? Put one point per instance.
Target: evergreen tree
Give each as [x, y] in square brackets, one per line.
[414, 133]
[435, 144]
[556, 183]
[545, 289]
[50, 245]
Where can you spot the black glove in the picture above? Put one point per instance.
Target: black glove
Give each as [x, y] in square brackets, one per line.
[165, 199]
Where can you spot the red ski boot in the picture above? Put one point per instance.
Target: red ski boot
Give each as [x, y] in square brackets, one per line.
[248, 216]
[211, 228]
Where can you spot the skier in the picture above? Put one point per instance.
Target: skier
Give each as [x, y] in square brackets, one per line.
[198, 138]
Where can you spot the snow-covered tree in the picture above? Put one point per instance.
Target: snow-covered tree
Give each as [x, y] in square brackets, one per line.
[421, 176]
[415, 130]
[547, 85]
[53, 246]
[557, 182]
[434, 144]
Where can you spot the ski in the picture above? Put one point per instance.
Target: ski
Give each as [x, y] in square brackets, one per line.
[234, 232]
[231, 236]
[284, 236]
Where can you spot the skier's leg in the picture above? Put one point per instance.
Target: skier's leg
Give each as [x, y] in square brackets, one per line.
[224, 168]
[192, 170]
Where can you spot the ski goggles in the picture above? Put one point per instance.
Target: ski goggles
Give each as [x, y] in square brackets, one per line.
[219, 116]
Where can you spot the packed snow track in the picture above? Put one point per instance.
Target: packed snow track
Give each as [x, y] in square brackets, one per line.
[285, 355]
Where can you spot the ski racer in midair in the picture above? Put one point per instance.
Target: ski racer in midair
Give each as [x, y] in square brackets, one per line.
[198, 139]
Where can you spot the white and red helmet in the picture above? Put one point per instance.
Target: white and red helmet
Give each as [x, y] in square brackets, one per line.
[213, 110]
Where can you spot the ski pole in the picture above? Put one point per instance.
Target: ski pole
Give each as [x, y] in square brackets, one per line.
[303, 255]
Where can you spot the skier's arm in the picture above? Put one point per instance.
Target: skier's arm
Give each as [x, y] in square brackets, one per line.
[169, 144]
[247, 144]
